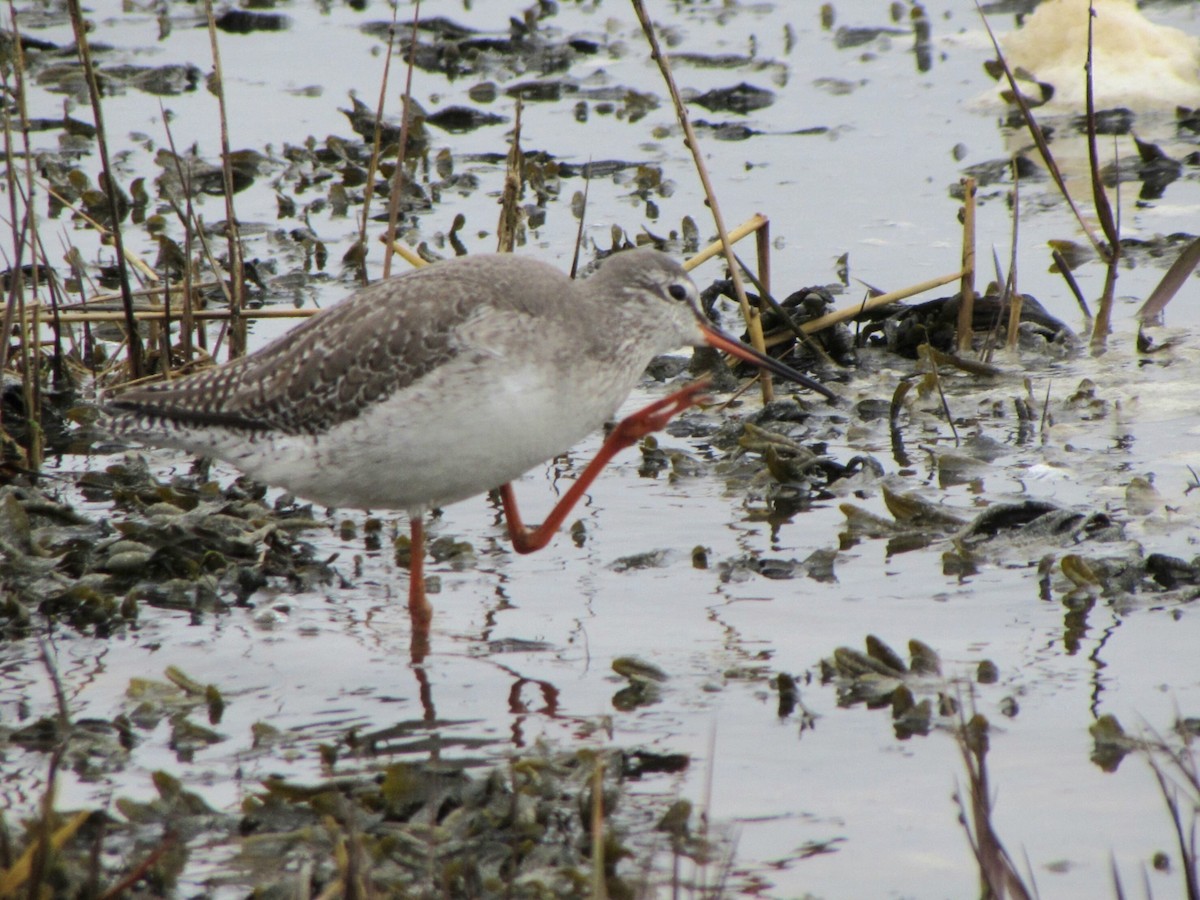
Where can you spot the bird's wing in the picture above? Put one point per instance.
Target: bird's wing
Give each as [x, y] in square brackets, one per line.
[381, 339]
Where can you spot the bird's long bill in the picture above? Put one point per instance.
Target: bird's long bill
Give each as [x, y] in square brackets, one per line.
[722, 341]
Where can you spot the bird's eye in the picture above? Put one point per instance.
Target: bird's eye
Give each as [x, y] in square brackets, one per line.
[677, 292]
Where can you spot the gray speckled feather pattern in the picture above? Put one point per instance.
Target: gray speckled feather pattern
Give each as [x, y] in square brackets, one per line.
[383, 378]
[337, 363]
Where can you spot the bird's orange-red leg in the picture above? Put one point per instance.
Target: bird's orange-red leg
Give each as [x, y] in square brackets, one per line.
[627, 432]
[419, 609]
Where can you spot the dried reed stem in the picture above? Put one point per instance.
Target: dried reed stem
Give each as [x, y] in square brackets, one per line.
[158, 315]
[406, 115]
[376, 148]
[237, 330]
[1015, 298]
[108, 183]
[753, 321]
[510, 211]
[966, 306]
[1039, 139]
[187, 218]
[750, 226]
[858, 309]
[599, 887]
[15, 305]
[762, 247]
[1109, 222]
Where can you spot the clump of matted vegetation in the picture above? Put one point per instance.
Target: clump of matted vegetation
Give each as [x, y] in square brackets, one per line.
[545, 824]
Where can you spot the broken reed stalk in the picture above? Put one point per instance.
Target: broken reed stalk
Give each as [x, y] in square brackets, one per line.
[406, 115]
[751, 226]
[108, 182]
[376, 149]
[599, 886]
[762, 249]
[1014, 296]
[237, 329]
[966, 306]
[510, 210]
[1103, 323]
[1180, 271]
[753, 321]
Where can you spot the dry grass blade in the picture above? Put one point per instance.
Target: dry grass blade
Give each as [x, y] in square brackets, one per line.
[188, 218]
[996, 870]
[1104, 211]
[20, 871]
[1064, 269]
[1118, 890]
[1110, 223]
[1185, 837]
[1180, 271]
[1040, 139]
[141, 869]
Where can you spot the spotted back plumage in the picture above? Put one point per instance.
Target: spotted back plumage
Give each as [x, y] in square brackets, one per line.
[381, 339]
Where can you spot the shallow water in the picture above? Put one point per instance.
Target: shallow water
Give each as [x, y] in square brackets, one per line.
[523, 646]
